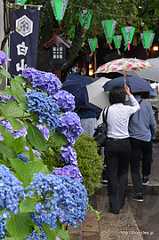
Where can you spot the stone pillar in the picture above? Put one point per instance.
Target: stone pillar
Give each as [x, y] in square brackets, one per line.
[1, 21]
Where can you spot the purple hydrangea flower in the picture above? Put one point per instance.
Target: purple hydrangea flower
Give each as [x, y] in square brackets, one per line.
[1, 138]
[7, 125]
[6, 98]
[26, 148]
[70, 126]
[68, 155]
[3, 57]
[3, 220]
[70, 171]
[45, 107]
[62, 198]
[15, 133]
[11, 190]
[44, 130]
[19, 133]
[65, 100]
[45, 81]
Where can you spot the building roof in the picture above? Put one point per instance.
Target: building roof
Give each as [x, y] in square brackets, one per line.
[56, 40]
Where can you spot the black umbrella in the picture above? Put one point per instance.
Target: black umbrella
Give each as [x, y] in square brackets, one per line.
[136, 84]
[76, 85]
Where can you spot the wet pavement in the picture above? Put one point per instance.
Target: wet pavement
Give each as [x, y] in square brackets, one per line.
[136, 221]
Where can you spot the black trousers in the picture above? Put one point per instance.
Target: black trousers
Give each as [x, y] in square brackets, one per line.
[118, 157]
[141, 153]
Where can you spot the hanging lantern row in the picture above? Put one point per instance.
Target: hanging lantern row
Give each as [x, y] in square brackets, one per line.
[85, 18]
[128, 32]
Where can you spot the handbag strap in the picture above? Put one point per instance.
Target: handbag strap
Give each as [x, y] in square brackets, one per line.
[104, 115]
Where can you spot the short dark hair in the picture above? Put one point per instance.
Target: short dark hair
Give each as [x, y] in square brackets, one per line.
[117, 95]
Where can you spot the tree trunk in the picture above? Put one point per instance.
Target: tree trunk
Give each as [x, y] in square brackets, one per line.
[75, 48]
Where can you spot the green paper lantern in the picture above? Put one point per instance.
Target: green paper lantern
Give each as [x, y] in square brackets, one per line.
[109, 29]
[21, 1]
[86, 18]
[59, 7]
[147, 38]
[117, 42]
[128, 34]
[93, 43]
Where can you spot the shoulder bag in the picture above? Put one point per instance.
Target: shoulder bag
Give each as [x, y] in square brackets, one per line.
[100, 134]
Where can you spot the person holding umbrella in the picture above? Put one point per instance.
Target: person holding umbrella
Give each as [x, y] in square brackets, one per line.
[118, 148]
[142, 127]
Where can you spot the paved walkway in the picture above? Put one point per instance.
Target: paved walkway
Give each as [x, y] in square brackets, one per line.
[136, 221]
[110, 227]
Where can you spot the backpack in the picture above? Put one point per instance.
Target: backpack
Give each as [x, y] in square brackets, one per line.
[100, 133]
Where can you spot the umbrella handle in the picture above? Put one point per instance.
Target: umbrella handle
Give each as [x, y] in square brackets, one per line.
[125, 79]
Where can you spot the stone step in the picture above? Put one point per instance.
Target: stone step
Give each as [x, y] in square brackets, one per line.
[151, 188]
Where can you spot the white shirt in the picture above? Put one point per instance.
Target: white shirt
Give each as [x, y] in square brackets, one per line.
[118, 118]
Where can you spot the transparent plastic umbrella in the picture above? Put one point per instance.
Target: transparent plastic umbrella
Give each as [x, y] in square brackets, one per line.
[151, 73]
[96, 94]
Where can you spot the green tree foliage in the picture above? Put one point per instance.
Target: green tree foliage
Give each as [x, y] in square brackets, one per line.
[142, 14]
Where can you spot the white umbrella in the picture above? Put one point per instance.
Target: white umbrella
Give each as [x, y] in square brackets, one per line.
[96, 93]
[151, 73]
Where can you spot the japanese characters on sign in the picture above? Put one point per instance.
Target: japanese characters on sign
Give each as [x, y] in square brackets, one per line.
[23, 39]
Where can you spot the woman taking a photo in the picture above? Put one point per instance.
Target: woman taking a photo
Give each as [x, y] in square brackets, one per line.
[118, 148]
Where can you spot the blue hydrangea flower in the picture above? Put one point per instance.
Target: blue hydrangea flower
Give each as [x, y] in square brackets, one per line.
[70, 171]
[37, 236]
[11, 190]
[45, 81]
[70, 126]
[23, 157]
[45, 107]
[3, 220]
[3, 57]
[44, 130]
[62, 198]
[68, 155]
[65, 100]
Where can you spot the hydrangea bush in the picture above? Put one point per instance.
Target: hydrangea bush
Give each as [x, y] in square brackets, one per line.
[36, 202]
